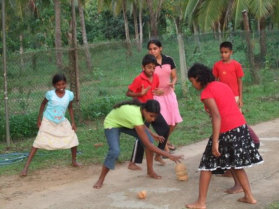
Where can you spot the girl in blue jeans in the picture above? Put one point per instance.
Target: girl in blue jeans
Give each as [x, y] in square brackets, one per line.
[129, 117]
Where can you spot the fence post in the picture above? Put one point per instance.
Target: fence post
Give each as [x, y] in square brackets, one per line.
[8, 139]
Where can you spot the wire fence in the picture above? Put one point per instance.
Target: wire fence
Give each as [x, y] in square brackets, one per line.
[105, 83]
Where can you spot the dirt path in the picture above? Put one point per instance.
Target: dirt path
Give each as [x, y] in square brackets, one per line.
[71, 188]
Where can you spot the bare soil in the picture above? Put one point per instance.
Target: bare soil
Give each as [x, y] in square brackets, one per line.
[71, 188]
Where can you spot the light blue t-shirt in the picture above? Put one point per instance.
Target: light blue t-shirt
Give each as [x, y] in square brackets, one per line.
[56, 106]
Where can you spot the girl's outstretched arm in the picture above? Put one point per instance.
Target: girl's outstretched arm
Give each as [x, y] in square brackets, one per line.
[216, 124]
[144, 138]
[42, 108]
[71, 112]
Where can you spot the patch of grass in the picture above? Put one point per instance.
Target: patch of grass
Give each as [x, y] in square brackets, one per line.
[260, 104]
[106, 85]
[274, 205]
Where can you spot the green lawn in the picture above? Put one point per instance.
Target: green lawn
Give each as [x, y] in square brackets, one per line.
[260, 104]
[106, 85]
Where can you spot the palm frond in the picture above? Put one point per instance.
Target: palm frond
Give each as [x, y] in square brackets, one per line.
[210, 12]
[275, 13]
[238, 7]
[261, 8]
[190, 9]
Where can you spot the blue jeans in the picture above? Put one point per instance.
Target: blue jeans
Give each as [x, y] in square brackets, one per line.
[113, 136]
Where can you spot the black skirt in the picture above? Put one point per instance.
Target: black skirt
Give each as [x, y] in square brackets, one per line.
[237, 151]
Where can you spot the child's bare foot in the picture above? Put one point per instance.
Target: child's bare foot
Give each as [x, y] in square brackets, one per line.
[248, 200]
[196, 205]
[234, 190]
[160, 160]
[98, 184]
[76, 164]
[154, 175]
[133, 166]
[23, 173]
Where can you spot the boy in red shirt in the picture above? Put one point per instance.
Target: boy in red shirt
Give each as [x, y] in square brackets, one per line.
[229, 71]
[144, 86]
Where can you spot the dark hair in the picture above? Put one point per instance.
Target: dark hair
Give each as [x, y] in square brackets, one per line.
[226, 44]
[154, 41]
[202, 73]
[149, 58]
[58, 77]
[150, 106]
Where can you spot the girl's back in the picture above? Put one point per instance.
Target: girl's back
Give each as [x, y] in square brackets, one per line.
[231, 117]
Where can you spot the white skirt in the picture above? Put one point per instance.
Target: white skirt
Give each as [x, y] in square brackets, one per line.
[52, 136]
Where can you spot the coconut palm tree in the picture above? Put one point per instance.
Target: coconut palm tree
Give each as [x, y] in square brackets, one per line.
[73, 65]
[154, 7]
[58, 34]
[84, 35]
[262, 9]
[181, 11]
[117, 6]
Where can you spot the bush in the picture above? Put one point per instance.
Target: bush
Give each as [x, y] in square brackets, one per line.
[21, 126]
[100, 107]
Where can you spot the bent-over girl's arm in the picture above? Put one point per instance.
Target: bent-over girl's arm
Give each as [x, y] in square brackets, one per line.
[155, 136]
[71, 113]
[144, 139]
[216, 124]
[42, 108]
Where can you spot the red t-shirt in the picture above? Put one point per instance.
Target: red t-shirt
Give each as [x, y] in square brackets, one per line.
[231, 117]
[141, 79]
[228, 73]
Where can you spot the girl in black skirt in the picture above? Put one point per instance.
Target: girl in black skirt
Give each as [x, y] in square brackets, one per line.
[230, 146]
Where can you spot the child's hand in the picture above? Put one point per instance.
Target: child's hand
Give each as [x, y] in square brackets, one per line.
[159, 138]
[176, 158]
[215, 150]
[158, 92]
[240, 103]
[74, 127]
[144, 90]
[172, 85]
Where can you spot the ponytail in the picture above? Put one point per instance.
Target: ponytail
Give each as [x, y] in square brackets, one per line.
[129, 102]
[150, 106]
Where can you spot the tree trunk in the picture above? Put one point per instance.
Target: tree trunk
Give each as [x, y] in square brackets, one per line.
[84, 36]
[4, 57]
[127, 32]
[74, 71]
[227, 17]
[182, 57]
[21, 51]
[58, 42]
[262, 39]
[196, 35]
[253, 70]
[136, 26]
[219, 32]
[140, 25]
[154, 16]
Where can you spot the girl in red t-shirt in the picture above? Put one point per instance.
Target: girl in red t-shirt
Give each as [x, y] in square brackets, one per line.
[230, 146]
